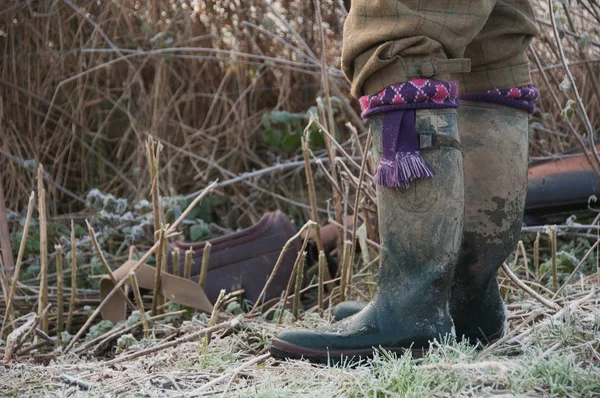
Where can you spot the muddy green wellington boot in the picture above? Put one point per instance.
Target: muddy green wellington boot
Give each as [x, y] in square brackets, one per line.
[411, 305]
[495, 146]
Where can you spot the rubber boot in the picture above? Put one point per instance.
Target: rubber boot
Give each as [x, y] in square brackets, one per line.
[495, 147]
[410, 307]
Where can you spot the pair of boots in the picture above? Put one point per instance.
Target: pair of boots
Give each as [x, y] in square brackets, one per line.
[442, 241]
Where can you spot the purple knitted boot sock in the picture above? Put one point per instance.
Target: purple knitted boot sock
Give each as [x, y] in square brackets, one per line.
[401, 161]
[517, 97]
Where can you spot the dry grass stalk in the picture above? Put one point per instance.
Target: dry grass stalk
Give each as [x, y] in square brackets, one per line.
[138, 300]
[536, 256]
[521, 248]
[176, 255]
[94, 344]
[17, 272]
[73, 278]
[104, 263]
[60, 283]
[232, 324]
[132, 253]
[153, 149]
[7, 254]
[234, 373]
[361, 176]
[299, 259]
[577, 268]
[344, 283]
[187, 266]
[138, 264]
[43, 296]
[553, 247]
[311, 189]
[214, 317]
[515, 279]
[322, 265]
[309, 224]
[156, 293]
[15, 340]
[204, 266]
[298, 287]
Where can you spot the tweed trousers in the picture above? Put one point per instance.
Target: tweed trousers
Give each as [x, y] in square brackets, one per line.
[479, 43]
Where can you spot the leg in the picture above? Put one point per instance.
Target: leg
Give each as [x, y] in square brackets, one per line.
[410, 306]
[391, 41]
[495, 147]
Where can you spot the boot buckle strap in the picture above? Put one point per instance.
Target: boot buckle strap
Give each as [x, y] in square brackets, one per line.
[437, 141]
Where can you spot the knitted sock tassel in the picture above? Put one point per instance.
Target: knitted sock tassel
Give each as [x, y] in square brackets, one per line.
[401, 161]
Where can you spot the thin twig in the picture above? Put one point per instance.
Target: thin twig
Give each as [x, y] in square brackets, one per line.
[515, 279]
[59, 289]
[204, 266]
[43, 297]
[232, 324]
[73, 277]
[138, 299]
[17, 273]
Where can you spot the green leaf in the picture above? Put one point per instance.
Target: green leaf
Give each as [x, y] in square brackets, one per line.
[198, 231]
[292, 142]
[272, 137]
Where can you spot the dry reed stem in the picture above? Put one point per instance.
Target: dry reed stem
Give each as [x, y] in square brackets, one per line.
[214, 316]
[14, 339]
[288, 289]
[156, 294]
[187, 267]
[204, 266]
[311, 189]
[21, 334]
[521, 248]
[233, 373]
[5, 245]
[345, 265]
[361, 176]
[105, 265]
[43, 296]
[515, 279]
[73, 277]
[138, 264]
[309, 224]
[583, 260]
[232, 324]
[132, 252]
[325, 83]
[176, 254]
[93, 344]
[17, 272]
[140, 303]
[553, 247]
[59, 289]
[322, 265]
[298, 287]
[580, 105]
[536, 256]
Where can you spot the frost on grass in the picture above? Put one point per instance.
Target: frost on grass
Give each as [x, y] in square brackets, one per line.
[556, 357]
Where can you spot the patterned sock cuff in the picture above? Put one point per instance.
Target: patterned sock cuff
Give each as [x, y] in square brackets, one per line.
[517, 97]
[414, 94]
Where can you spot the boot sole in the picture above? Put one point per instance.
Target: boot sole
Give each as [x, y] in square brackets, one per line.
[284, 350]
